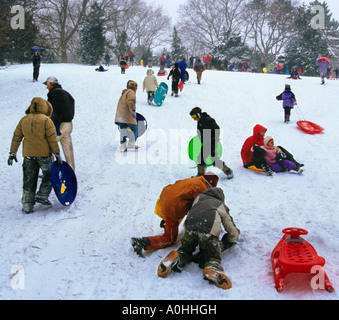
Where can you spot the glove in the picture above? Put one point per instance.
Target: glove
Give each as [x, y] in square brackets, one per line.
[280, 156]
[224, 243]
[58, 158]
[12, 156]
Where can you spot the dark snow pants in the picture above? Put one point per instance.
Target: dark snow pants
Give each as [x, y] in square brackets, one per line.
[30, 167]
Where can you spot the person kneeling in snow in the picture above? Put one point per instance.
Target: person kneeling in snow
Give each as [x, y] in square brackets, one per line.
[172, 206]
[203, 228]
[39, 142]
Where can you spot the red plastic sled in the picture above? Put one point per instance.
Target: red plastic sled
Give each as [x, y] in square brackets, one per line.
[293, 254]
[181, 85]
[310, 127]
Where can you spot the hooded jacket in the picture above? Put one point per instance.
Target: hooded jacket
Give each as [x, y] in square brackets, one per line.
[323, 65]
[175, 73]
[209, 212]
[288, 98]
[150, 82]
[255, 139]
[176, 199]
[37, 131]
[125, 112]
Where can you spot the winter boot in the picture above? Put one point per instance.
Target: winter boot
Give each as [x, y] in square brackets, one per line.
[267, 169]
[298, 168]
[43, 201]
[132, 146]
[287, 119]
[218, 278]
[227, 171]
[140, 244]
[201, 170]
[27, 209]
[123, 147]
[168, 263]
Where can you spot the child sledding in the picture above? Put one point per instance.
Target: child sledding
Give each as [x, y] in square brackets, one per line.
[253, 153]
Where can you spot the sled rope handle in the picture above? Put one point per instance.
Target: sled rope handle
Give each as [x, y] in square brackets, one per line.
[300, 115]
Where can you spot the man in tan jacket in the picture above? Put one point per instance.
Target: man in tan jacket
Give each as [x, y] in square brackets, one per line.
[125, 117]
[39, 137]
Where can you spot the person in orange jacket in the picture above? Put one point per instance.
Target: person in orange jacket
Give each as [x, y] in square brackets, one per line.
[172, 206]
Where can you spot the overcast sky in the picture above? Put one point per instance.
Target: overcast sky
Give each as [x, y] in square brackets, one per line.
[171, 7]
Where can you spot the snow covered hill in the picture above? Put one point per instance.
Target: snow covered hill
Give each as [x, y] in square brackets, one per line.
[84, 252]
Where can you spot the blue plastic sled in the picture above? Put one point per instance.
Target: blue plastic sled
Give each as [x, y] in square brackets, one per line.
[64, 182]
[142, 124]
[160, 94]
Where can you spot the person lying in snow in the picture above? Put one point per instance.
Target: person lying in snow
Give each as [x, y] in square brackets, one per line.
[172, 206]
[203, 228]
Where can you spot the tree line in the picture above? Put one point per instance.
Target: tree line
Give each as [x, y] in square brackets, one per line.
[83, 31]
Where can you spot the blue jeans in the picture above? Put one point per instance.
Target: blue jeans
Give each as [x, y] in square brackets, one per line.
[125, 133]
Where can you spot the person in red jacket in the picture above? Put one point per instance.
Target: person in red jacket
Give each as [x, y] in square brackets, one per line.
[251, 153]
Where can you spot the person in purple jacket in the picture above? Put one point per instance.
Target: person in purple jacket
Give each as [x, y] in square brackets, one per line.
[324, 65]
[289, 101]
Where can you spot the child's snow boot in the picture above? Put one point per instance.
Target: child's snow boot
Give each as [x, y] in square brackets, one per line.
[218, 278]
[43, 201]
[228, 171]
[168, 263]
[123, 147]
[267, 169]
[201, 170]
[132, 146]
[298, 168]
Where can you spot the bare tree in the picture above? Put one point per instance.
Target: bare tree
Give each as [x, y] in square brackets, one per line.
[205, 22]
[270, 25]
[144, 24]
[59, 21]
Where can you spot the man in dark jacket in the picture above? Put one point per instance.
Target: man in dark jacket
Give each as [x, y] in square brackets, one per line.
[203, 228]
[176, 76]
[36, 59]
[209, 133]
[63, 114]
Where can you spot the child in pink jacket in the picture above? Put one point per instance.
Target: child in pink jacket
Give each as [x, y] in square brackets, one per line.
[276, 159]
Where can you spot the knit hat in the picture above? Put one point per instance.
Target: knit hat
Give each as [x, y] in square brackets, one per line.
[196, 112]
[267, 140]
[287, 86]
[211, 178]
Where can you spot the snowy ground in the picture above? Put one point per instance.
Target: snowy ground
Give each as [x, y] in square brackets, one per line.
[84, 252]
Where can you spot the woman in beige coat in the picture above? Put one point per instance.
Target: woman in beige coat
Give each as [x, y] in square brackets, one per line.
[39, 137]
[150, 84]
[125, 117]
